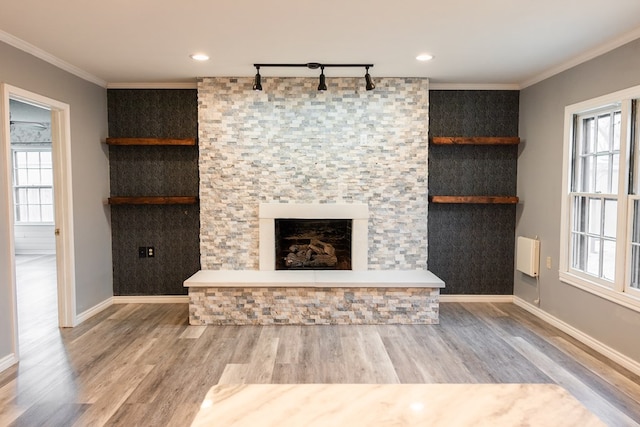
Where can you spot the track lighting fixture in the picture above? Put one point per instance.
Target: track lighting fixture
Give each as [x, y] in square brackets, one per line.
[367, 79]
[257, 83]
[322, 86]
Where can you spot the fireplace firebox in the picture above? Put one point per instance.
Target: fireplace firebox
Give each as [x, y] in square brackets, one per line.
[313, 244]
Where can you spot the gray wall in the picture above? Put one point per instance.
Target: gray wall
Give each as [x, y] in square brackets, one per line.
[539, 187]
[90, 178]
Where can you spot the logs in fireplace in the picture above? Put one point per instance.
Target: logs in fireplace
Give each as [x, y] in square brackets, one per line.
[316, 254]
[313, 244]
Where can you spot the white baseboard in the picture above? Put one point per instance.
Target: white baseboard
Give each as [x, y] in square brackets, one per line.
[151, 299]
[93, 311]
[8, 361]
[143, 299]
[476, 298]
[614, 355]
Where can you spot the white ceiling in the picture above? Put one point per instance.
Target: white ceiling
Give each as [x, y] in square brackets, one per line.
[475, 42]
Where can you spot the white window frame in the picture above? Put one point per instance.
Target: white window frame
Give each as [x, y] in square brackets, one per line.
[40, 147]
[619, 290]
[634, 292]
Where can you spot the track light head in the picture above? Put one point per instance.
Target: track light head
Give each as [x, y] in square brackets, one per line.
[369, 82]
[257, 83]
[323, 85]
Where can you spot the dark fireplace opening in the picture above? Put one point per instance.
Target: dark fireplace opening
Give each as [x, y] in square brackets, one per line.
[313, 244]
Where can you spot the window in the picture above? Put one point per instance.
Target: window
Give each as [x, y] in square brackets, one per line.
[33, 185]
[594, 193]
[600, 209]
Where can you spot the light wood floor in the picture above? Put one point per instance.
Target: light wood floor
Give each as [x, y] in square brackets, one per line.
[142, 365]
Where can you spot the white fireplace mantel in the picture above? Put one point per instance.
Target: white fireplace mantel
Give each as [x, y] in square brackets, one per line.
[357, 212]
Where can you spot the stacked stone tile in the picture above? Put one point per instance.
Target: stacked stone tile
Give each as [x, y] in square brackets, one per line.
[313, 306]
[291, 143]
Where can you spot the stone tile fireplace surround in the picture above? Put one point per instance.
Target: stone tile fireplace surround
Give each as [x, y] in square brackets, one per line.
[321, 152]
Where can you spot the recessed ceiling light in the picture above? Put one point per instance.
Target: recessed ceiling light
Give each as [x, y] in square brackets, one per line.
[424, 57]
[199, 57]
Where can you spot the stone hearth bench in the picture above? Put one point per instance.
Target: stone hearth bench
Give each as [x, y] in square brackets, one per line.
[313, 297]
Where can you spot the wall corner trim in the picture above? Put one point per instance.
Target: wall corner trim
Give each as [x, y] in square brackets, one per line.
[605, 350]
[8, 361]
[93, 311]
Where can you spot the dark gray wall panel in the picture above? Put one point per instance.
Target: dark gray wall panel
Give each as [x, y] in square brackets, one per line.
[172, 230]
[153, 113]
[472, 170]
[473, 112]
[471, 247]
[154, 170]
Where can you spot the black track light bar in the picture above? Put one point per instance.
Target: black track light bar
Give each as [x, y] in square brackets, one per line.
[315, 65]
[322, 86]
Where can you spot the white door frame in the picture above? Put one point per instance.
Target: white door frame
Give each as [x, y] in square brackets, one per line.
[63, 200]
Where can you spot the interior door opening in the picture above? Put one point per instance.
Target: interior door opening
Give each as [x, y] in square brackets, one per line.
[39, 215]
[34, 225]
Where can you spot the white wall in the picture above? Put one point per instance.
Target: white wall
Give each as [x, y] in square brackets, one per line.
[34, 239]
[539, 187]
[90, 172]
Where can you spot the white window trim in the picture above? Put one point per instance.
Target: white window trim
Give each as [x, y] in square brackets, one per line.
[627, 288]
[618, 292]
[37, 146]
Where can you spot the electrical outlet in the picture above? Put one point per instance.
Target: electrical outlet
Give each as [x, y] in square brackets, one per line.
[142, 252]
[151, 252]
[549, 263]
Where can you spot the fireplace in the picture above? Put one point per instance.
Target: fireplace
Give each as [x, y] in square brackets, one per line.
[313, 244]
[340, 229]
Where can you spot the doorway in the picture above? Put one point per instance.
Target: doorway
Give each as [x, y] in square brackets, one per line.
[34, 226]
[26, 207]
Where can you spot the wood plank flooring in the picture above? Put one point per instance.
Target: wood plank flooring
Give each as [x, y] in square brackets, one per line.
[143, 365]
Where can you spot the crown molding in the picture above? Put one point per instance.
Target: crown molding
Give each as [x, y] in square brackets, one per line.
[474, 86]
[47, 57]
[584, 57]
[141, 85]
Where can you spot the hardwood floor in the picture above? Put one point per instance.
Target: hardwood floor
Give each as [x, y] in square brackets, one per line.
[143, 365]
[37, 293]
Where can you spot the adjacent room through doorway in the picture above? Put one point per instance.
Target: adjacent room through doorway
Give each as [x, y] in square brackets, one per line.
[33, 217]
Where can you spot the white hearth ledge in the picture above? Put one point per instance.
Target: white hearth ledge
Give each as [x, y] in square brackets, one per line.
[314, 279]
[357, 212]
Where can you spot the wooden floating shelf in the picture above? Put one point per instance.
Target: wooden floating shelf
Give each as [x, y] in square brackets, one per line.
[501, 200]
[151, 141]
[159, 200]
[476, 140]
